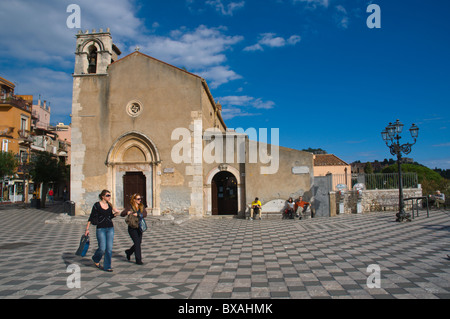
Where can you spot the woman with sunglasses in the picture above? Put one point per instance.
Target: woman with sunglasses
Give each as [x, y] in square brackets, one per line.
[101, 215]
[137, 209]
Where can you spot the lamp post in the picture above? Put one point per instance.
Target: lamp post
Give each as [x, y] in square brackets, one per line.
[391, 136]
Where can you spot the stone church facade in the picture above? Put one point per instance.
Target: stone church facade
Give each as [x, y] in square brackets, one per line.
[140, 125]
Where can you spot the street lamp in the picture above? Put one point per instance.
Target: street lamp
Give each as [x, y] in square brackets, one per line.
[391, 136]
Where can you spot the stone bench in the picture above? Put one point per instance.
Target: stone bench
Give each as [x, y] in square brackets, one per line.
[272, 210]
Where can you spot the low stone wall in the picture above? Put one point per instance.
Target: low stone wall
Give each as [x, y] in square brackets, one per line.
[375, 200]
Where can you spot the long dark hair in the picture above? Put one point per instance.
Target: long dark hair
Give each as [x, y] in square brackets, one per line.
[102, 194]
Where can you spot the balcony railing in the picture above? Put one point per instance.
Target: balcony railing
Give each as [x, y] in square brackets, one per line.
[17, 102]
[25, 136]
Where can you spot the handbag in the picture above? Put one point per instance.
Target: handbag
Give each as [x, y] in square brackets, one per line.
[132, 221]
[142, 225]
[93, 218]
[83, 247]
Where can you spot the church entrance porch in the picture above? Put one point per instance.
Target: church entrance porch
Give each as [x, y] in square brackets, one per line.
[133, 162]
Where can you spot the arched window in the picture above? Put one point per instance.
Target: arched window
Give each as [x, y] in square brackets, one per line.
[92, 58]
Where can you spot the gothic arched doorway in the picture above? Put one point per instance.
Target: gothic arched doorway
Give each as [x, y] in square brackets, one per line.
[224, 192]
[133, 164]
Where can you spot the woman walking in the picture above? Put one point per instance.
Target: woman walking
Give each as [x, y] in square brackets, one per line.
[138, 210]
[101, 216]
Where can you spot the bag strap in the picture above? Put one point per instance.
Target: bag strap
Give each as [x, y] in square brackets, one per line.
[137, 212]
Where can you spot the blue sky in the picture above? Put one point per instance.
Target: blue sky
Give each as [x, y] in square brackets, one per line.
[311, 68]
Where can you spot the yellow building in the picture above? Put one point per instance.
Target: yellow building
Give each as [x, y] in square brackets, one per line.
[15, 128]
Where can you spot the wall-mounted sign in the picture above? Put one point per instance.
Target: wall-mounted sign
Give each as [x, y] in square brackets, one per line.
[298, 170]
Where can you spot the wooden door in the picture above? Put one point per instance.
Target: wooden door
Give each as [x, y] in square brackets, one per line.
[134, 183]
[224, 194]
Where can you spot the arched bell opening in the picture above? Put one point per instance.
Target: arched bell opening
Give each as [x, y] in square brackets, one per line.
[92, 60]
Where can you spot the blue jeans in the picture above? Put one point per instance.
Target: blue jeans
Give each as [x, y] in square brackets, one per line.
[105, 238]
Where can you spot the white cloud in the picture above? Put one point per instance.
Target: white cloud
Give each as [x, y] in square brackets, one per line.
[443, 163]
[244, 100]
[36, 31]
[196, 49]
[271, 40]
[225, 9]
[260, 104]
[314, 3]
[240, 105]
[53, 86]
[234, 100]
[231, 112]
[219, 75]
[37, 48]
[36, 34]
[200, 51]
[442, 145]
[341, 17]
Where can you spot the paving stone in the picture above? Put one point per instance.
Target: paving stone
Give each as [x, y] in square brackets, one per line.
[230, 258]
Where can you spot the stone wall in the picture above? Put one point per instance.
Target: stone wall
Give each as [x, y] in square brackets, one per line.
[375, 200]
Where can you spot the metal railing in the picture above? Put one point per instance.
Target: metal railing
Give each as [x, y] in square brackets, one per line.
[15, 101]
[375, 181]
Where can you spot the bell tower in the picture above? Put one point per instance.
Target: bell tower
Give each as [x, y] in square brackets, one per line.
[94, 52]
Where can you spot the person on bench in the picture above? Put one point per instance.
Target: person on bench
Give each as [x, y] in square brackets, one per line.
[439, 198]
[289, 212]
[304, 205]
[256, 208]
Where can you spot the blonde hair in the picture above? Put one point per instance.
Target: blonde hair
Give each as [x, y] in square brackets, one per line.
[133, 203]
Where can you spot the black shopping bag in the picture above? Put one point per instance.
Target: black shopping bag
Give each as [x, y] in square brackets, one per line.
[84, 246]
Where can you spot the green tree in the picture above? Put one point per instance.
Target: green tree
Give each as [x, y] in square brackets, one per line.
[315, 150]
[368, 169]
[45, 169]
[430, 180]
[8, 164]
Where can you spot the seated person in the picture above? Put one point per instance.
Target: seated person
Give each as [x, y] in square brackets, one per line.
[301, 203]
[289, 211]
[439, 198]
[256, 208]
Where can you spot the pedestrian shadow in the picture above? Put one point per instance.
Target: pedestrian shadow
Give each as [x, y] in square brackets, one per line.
[119, 257]
[438, 227]
[71, 258]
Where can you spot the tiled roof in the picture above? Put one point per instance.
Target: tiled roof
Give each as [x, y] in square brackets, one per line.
[328, 160]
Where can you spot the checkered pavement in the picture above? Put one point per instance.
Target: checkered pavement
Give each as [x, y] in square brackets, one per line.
[231, 258]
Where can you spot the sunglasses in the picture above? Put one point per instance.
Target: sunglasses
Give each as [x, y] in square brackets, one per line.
[108, 195]
[138, 198]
